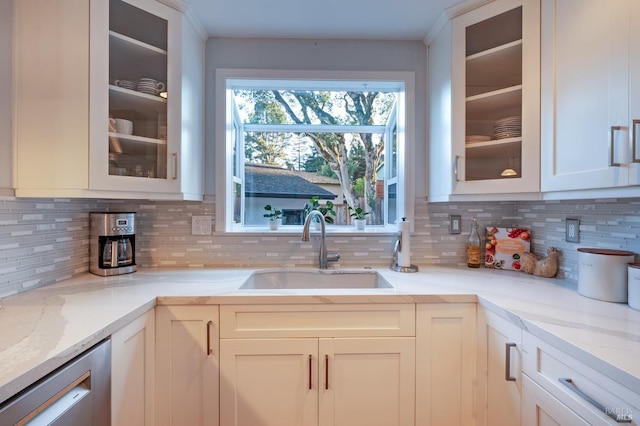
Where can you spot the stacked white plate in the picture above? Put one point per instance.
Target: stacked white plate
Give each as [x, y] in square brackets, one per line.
[508, 127]
[149, 86]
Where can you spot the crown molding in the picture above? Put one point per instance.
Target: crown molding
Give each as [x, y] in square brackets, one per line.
[185, 8]
[450, 13]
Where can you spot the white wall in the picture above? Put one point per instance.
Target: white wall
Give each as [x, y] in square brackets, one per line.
[6, 177]
[317, 55]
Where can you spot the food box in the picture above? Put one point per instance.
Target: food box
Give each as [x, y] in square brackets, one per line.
[504, 247]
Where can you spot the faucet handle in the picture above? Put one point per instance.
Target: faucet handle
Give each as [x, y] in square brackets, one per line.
[333, 257]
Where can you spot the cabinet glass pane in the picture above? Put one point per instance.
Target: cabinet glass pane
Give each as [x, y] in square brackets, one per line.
[138, 92]
[493, 112]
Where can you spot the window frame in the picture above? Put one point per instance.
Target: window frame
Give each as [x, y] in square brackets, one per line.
[405, 116]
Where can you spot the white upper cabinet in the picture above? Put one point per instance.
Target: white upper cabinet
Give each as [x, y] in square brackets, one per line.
[590, 94]
[484, 102]
[102, 105]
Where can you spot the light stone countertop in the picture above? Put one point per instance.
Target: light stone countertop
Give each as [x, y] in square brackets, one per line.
[44, 328]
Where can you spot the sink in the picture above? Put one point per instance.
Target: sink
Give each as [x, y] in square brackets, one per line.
[314, 278]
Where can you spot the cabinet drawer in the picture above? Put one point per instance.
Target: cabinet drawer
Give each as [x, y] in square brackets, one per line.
[246, 321]
[589, 393]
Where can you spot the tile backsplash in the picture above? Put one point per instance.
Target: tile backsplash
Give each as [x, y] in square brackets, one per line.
[43, 241]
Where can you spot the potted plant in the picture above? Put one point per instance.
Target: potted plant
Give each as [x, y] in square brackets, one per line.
[274, 215]
[326, 209]
[359, 217]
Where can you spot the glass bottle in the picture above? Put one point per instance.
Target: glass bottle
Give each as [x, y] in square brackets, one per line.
[473, 246]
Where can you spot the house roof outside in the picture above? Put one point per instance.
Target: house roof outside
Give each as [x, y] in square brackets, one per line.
[263, 180]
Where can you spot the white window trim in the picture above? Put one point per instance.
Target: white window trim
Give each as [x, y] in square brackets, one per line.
[406, 111]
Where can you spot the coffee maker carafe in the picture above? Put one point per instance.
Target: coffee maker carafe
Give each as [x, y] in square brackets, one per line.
[112, 243]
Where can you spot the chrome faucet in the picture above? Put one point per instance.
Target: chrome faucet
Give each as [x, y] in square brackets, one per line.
[323, 257]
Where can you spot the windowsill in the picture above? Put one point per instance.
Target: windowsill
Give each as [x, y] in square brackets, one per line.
[330, 230]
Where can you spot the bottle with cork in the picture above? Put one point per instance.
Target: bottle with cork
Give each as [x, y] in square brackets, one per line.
[473, 246]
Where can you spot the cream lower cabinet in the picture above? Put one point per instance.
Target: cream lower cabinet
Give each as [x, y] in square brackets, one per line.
[187, 365]
[445, 364]
[340, 365]
[499, 370]
[133, 373]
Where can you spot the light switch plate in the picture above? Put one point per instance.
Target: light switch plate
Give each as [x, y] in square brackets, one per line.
[455, 224]
[572, 230]
[200, 225]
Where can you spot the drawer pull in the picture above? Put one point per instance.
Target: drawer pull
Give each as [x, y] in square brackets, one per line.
[507, 365]
[612, 146]
[618, 417]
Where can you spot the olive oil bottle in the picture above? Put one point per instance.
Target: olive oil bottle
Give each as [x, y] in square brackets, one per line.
[473, 246]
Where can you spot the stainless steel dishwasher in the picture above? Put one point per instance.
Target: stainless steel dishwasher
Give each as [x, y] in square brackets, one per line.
[76, 394]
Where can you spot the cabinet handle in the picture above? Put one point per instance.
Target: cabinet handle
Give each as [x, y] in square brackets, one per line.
[310, 373]
[455, 168]
[618, 417]
[634, 155]
[612, 146]
[175, 165]
[326, 371]
[209, 325]
[507, 364]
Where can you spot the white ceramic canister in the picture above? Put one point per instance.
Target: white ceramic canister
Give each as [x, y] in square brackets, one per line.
[602, 273]
[634, 285]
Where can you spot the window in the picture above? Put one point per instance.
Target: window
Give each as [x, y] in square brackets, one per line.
[292, 141]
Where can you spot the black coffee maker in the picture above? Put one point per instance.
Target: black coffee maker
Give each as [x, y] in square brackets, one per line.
[113, 243]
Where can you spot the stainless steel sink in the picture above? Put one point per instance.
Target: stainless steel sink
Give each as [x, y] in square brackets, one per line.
[314, 278]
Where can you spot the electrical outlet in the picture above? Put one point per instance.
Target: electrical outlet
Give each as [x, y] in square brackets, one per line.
[200, 225]
[455, 224]
[572, 230]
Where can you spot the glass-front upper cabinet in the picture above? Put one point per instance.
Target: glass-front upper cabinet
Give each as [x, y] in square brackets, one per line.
[495, 95]
[138, 92]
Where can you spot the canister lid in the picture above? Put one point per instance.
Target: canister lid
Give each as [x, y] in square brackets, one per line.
[634, 265]
[605, 252]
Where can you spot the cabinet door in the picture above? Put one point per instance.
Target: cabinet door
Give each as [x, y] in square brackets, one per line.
[445, 368]
[540, 408]
[634, 96]
[269, 382]
[133, 373]
[187, 365]
[585, 75]
[367, 382]
[495, 95]
[499, 370]
[135, 128]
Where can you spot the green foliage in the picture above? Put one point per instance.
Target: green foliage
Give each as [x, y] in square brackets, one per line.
[273, 213]
[357, 213]
[326, 209]
[358, 187]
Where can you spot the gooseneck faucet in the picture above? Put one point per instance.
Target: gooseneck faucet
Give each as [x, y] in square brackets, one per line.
[323, 257]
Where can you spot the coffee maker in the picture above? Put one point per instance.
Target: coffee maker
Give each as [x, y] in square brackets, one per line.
[113, 243]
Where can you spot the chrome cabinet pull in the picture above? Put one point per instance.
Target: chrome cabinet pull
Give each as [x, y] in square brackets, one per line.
[326, 371]
[310, 374]
[618, 417]
[507, 364]
[455, 168]
[634, 146]
[612, 145]
[175, 165]
[209, 325]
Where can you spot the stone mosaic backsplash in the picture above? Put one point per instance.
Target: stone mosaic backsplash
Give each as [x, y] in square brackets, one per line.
[47, 240]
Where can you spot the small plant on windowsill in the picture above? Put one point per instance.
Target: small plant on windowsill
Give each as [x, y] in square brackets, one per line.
[274, 215]
[359, 217]
[326, 209]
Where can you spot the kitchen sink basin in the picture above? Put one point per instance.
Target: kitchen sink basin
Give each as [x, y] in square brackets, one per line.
[314, 278]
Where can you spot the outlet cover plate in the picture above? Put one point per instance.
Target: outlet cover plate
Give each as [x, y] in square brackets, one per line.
[200, 225]
[455, 224]
[572, 230]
